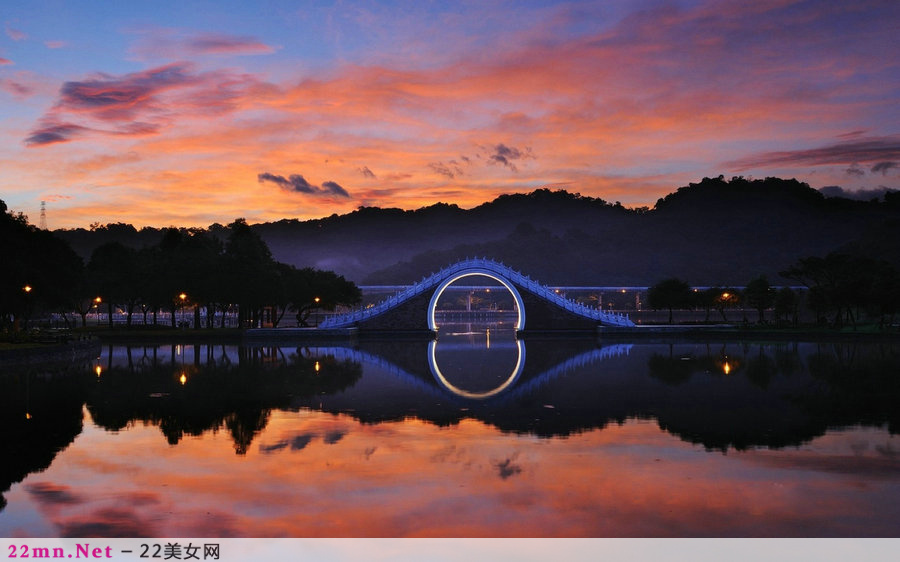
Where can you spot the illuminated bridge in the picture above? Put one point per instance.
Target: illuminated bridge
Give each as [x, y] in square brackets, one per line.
[414, 307]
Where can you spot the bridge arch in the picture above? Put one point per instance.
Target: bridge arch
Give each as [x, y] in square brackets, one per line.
[520, 304]
[403, 311]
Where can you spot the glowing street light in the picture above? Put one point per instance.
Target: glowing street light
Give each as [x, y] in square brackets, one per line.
[317, 299]
[183, 297]
[27, 289]
[97, 302]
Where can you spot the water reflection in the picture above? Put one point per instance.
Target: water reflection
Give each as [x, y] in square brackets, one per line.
[470, 362]
[269, 401]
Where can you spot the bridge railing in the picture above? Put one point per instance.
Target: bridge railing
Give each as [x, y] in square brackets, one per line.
[516, 277]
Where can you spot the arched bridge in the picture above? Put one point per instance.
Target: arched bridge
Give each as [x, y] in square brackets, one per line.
[414, 307]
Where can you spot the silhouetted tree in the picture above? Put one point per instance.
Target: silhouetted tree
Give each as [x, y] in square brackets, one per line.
[786, 304]
[250, 271]
[846, 284]
[114, 271]
[35, 259]
[330, 289]
[760, 295]
[670, 294]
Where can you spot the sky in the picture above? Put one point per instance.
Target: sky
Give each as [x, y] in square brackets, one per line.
[189, 113]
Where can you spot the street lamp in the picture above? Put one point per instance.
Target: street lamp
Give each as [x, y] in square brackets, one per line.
[317, 299]
[27, 289]
[183, 297]
[97, 302]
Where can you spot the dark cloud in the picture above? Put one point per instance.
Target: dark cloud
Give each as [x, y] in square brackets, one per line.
[298, 184]
[858, 195]
[868, 150]
[507, 469]
[335, 189]
[366, 172]
[855, 170]
[52, 134]
[883, 167]
[300, 442]
[333, 437]
[450, 170]
[504, 155]
[265, 449]
[52, 494]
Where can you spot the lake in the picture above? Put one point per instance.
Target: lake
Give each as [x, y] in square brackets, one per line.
[474, 434]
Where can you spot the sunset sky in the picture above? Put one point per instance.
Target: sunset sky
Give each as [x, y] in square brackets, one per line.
[188, 113]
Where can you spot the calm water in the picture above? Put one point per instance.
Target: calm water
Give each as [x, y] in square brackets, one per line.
[477, 434]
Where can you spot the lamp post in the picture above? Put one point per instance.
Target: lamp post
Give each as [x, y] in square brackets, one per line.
[97, 302]
[183, 297]
[317, 299]
[27, 289]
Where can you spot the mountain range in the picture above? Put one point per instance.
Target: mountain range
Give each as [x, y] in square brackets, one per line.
[715, 232]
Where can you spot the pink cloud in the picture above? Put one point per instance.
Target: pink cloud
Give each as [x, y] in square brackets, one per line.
[15, 34]
[55, 44]
[4, 62]
[139, 103]
[156, 43]
[217, 43]
[14, 88]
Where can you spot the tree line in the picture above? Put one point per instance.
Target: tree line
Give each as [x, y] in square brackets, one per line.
[841, 289]
[187, 269]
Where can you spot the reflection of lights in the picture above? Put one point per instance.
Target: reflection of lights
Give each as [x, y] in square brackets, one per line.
[27, 416]
[726, 368]
[183, 378]
[178, 349]
[98, 369]
[317, 366]
[27, 288]
[488, 338]
[436, 372]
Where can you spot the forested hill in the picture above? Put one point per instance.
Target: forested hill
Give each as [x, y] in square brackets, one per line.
[715, 232]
